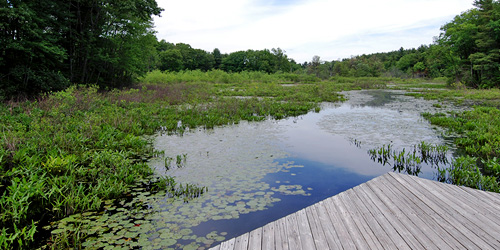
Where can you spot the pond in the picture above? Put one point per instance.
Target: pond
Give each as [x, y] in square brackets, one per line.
[258, 172]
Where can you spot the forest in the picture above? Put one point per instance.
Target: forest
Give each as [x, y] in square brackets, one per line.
[49, 45]
[85, 85]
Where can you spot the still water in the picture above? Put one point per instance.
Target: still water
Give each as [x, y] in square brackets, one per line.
[258, 172]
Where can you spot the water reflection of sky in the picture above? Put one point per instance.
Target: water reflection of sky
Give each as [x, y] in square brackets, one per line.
[328, 137]
[305, 139]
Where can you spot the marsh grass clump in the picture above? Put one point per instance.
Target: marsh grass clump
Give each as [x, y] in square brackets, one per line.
[178, 190]
[223, 77]
[381, 155]
[180, 161]
[410, 161]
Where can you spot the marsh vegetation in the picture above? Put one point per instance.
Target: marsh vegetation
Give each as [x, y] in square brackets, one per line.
[84, 155]
[68, 152]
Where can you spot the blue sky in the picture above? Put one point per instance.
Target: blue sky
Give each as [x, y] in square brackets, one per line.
[331, 29]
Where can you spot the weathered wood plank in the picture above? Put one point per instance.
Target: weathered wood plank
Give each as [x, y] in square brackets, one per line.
[425, 213]
[292, 229]
[383, 238]
[479, 225]
[472, 205]
[426, 235]
[465, 212]
[327, 226]
[382, 216]
[481, 205]
[228, 245]
[241, 242]
[493, 198]
[429, 211]
[353, 230]
[467, 236]
[306, 238]
[255, 239]
[280, 234]
[268, 236]
[429, 233]
[359, 220]
[341, 229]
[318, 234]
[384, 204]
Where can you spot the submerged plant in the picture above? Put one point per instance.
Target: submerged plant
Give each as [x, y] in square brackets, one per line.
[381, 155]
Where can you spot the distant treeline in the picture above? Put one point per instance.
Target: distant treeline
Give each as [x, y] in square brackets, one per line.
[426, 61]
[181, 56]
[50, 44]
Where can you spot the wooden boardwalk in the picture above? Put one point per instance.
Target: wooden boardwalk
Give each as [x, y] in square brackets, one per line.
[392, 211]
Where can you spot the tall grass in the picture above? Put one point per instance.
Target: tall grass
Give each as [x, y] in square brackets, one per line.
[219, 76]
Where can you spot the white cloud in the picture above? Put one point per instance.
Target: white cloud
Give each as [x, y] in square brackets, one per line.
[331, 29]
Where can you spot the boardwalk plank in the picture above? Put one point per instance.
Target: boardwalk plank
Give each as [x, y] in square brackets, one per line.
[366, 213]
[318, 234]
[351, 227]
[255, 239]
[366, 232]
[433, 212]
[493, 198]
[481, 205]
[292, 229]
[425, 213]
[305, 230]
[384, 204]
[467, 236]
[471, 204]
[381, 215]
[413, 222]
[228, 245]
[431, 232]
[327, 226]
[241, 242]
[280, 234]
[268, 232]
[341, 229]
[479, 225]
